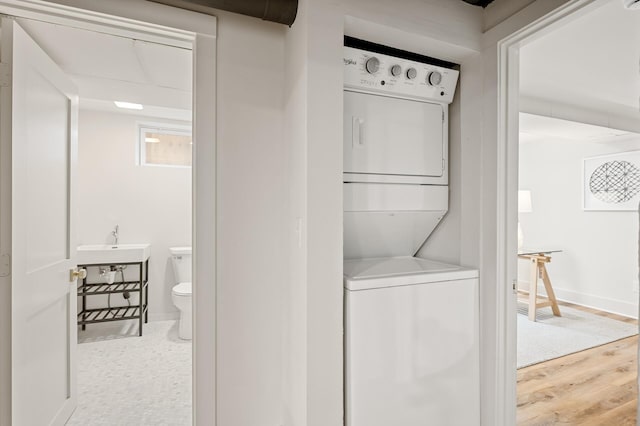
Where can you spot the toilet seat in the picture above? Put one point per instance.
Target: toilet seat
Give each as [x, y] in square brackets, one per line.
[182, 289]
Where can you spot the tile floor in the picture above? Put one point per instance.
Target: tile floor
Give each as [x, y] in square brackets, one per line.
[126, 380]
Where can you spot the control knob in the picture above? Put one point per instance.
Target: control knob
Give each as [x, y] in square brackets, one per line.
[396, 70]
[412, 73]
[434, 78]
[372, 65]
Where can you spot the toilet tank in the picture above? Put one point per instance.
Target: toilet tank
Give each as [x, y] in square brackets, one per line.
[181, 259]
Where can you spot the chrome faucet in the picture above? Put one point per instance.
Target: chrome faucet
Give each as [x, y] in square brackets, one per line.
[114, 233]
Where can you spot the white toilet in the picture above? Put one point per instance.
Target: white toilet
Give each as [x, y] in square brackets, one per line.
[181, 293]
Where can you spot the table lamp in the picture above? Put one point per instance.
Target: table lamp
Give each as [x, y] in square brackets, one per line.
[524, 206]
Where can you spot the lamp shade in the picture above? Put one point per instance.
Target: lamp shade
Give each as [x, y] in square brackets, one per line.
[524, 201]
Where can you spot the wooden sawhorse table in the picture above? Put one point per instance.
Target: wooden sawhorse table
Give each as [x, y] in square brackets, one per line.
[538, 260]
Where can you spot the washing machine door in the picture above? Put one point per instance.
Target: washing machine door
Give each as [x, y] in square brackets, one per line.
[391, 136]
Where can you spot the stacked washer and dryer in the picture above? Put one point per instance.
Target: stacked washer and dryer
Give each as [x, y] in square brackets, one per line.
[411, 324]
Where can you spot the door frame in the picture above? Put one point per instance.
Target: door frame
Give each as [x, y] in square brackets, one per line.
[508, 93]
[152, 22]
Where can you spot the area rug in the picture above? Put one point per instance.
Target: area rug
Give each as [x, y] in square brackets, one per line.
[552, 337]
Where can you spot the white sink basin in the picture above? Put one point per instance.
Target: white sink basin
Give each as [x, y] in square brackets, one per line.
[112, 254]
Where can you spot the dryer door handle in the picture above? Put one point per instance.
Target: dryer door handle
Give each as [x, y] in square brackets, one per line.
[357, 133]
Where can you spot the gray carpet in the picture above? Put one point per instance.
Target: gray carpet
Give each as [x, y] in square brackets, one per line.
[552, 337]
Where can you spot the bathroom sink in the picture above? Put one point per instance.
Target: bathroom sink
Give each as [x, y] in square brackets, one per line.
[111, 254]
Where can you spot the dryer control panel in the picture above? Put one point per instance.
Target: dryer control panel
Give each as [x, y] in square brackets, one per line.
[378, 73]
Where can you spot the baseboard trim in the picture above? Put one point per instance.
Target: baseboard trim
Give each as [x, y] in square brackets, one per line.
[612, 306]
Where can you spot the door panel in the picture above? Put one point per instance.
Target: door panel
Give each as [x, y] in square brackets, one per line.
[43, 141]
[47, 177]
[390, 136]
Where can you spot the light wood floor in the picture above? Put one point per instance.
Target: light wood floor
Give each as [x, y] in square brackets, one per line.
[592, 387]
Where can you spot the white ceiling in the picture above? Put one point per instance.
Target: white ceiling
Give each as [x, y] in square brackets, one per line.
[534, 128]
[592, 62]
[107, 68]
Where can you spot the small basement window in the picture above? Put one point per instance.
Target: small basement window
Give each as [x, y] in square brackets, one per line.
[164, 145]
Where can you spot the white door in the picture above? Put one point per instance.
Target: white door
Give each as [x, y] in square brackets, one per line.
[389, 136]
[39, 121]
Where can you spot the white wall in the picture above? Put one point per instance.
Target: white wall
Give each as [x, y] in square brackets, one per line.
[252, 221]
[295, 306]
[324, 215]
[451, 26]
[455, 238]
[150, 204]
[500, 10]
[313, 386]
[598, 264]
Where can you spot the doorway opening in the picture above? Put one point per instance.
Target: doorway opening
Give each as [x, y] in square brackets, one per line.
[579, 210]
[133, 186]
[155, 36]
[565, 130]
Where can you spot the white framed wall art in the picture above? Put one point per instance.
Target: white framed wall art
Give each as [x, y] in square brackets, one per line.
[612, 182]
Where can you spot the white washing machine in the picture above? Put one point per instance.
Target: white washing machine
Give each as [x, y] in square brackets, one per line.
[411, 343]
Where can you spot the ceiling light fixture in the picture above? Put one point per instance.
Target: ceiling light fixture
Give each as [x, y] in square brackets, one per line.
[152, 140]
[127, 105]
[631, 4]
